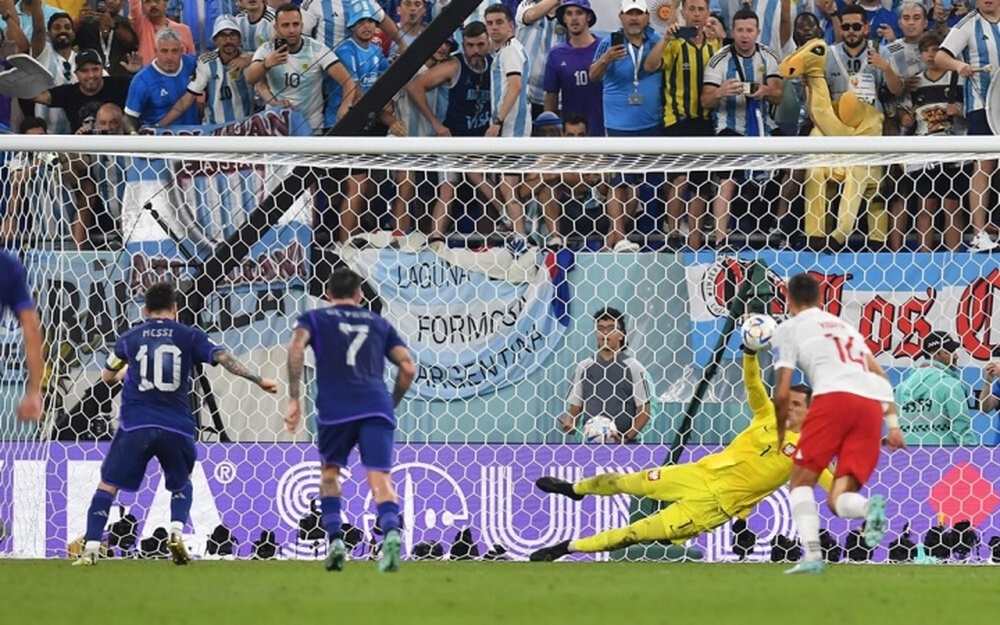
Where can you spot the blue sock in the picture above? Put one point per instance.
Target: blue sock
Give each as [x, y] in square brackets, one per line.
[180, 504]
[332, 522]
[97, 515]
[388, 516]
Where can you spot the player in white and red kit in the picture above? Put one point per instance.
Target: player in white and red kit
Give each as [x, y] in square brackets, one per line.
[851, 395]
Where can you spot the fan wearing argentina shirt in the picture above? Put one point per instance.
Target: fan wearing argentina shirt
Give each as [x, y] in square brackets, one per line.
[289, 71]
[327, 21]
[256, 24]
[974, 43]
[219, 77]
[539, 30]
[511, 68]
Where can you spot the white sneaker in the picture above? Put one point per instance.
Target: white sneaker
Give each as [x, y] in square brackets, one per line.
[982, 243]
[625, 246]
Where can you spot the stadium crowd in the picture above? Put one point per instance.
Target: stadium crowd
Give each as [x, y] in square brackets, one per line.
[695, 68]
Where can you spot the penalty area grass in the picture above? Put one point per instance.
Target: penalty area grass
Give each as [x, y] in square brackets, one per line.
[472, 593]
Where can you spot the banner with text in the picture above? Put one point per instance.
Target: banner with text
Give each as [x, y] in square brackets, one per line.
[470, 334]
[894, 300]
[45, 491]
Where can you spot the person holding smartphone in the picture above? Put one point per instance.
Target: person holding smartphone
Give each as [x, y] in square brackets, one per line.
[633, 105]
[101, 26]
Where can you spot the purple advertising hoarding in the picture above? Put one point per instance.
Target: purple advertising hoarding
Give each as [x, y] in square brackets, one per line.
[45, 490]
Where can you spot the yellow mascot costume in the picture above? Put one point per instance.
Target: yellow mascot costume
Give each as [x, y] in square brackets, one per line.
[853, 118]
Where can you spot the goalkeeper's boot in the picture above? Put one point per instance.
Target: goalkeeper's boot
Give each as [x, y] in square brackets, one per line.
[807, 566]
[550, 554]
[875, 521]
[178, 552]
[549, 484]
[336, 555]
[87, 558]
[392, 545]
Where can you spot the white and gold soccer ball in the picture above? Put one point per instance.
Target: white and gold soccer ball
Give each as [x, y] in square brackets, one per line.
[757, 332]
[599, 430]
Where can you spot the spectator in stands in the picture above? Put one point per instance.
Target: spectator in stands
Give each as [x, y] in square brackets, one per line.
[326, 21]
[35, 209]
[466, 80]
[633, 105]
[567, 67]
[938, 100]
[411, 23]
[611, 384]
[536, 25]
[110, 33]
[568, 194]
[219, 79]
[774, 18]
[59, 58]
[109, 119]
[256, 24]
[742, 85]
[829, 20]
[148, 18]
[883, 23]
[965, 49]
[366, 63]
[683, 60]
[292, 74]
[943, 18]
[80, 99]
[933, 400]
[417, 126]
[199, 16]
[159, 85]
[509, 108]
[19, 21]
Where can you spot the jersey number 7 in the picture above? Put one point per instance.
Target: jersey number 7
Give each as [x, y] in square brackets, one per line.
[359, 333]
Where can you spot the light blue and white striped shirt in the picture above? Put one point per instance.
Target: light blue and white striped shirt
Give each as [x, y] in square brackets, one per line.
[537, 38]
[227, 97]
[326, 20]
[300, 79]
[511, 60]
[63, 73]
[731, 114]
[254, 34]
[768, 14]
[976, 41]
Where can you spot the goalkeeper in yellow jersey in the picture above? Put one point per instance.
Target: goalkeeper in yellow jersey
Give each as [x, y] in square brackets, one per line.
[706, 493]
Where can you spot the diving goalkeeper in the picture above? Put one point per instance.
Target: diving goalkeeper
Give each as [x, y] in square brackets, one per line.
[706, 493]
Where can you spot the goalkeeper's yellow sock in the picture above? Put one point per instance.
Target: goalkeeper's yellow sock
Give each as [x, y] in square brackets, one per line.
[611, 484]
[645, 530]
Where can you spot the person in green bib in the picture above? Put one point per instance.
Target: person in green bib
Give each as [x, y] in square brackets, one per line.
[933, 400]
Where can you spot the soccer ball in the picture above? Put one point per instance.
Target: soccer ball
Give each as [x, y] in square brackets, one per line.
[598, 430]
[757, 332]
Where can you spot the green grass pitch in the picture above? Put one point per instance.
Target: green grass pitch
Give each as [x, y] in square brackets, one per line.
[471, 593]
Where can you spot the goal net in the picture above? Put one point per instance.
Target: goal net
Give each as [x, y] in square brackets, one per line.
[499, 314]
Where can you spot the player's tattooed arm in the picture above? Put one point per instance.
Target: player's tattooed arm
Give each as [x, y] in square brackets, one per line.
[296, 361]
[231, 364]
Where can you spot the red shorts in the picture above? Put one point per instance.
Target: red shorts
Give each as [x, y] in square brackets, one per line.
[845, 426]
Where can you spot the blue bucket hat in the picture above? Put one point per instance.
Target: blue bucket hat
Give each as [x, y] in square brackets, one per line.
[583, 4]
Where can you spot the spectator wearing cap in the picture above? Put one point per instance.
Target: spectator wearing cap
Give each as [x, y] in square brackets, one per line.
[159, 85]
[365, 62]
[218, 78]
[933, 400]
[91, 88]
[539, 30]
[567, 68]
[110, 33]
[633, 104]
[148, 18]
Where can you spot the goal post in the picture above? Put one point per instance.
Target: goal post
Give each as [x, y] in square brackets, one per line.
[249, 226]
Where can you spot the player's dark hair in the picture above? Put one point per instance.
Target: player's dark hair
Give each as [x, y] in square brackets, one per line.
[499, 7]
[59, 16]
[746, 13]
[473, 29]
[161, 297]
[288, 7]
[929, 40]
[611, 314]
[343, 283]
[805, 389]
[853, 9]
[803, 289]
